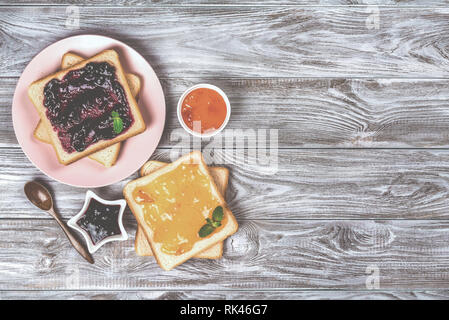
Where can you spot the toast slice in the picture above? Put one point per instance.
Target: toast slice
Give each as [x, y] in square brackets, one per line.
[189, 174]
[220, 176]
[36, 94]
[106, 156]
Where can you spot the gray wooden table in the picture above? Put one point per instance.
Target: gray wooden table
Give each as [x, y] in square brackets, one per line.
[358, 93]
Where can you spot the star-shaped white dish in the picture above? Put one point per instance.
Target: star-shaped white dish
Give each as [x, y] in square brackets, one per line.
[116, 237]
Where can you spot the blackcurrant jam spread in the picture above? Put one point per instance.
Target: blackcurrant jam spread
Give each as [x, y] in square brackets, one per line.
[100, 220]
[79, 106]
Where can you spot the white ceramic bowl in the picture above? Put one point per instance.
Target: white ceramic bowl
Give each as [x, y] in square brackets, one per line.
[119, 237]
[228, 110]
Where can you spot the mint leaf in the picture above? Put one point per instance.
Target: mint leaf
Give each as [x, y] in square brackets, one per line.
[216, 224]
[217, 215]
[213, 223]
[117, 122]
[206, 230]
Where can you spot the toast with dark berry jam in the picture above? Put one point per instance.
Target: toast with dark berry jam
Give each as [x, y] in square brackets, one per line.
[87, 107]
[107, 156]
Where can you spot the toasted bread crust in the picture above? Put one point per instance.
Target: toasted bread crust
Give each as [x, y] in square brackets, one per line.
[70, 59]
[168, 262]
[107, 156]
[35, 93]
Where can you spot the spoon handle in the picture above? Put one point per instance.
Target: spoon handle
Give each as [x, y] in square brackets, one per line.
[75, 243]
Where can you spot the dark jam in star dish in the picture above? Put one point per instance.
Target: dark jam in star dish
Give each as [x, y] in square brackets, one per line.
[100, 220]
[79, 106]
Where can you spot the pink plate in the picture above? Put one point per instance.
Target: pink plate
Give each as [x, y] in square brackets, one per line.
[86, 172]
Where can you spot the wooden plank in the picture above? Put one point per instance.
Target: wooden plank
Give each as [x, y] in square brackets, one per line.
[310, 113]
[247, 41]
[227, 295]
[274, 255]
[257, 3]
[309, 184]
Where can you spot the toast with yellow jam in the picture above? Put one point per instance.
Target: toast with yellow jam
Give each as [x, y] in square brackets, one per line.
[180, 210]
[220, 176]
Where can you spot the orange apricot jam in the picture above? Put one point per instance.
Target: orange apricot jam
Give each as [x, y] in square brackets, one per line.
[203, 109]
[175, 206]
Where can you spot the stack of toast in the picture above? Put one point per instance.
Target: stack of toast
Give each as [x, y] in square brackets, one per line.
[209, 247]
[104, 151]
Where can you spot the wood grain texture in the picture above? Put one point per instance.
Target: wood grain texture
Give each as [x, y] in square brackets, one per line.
[227, 295]
[318, 184]
[261, 255]
[273, 42]
[310, 113]
[257, 3]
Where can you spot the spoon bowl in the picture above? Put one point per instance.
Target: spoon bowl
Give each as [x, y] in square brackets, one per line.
[41, 198]
[38, 195]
